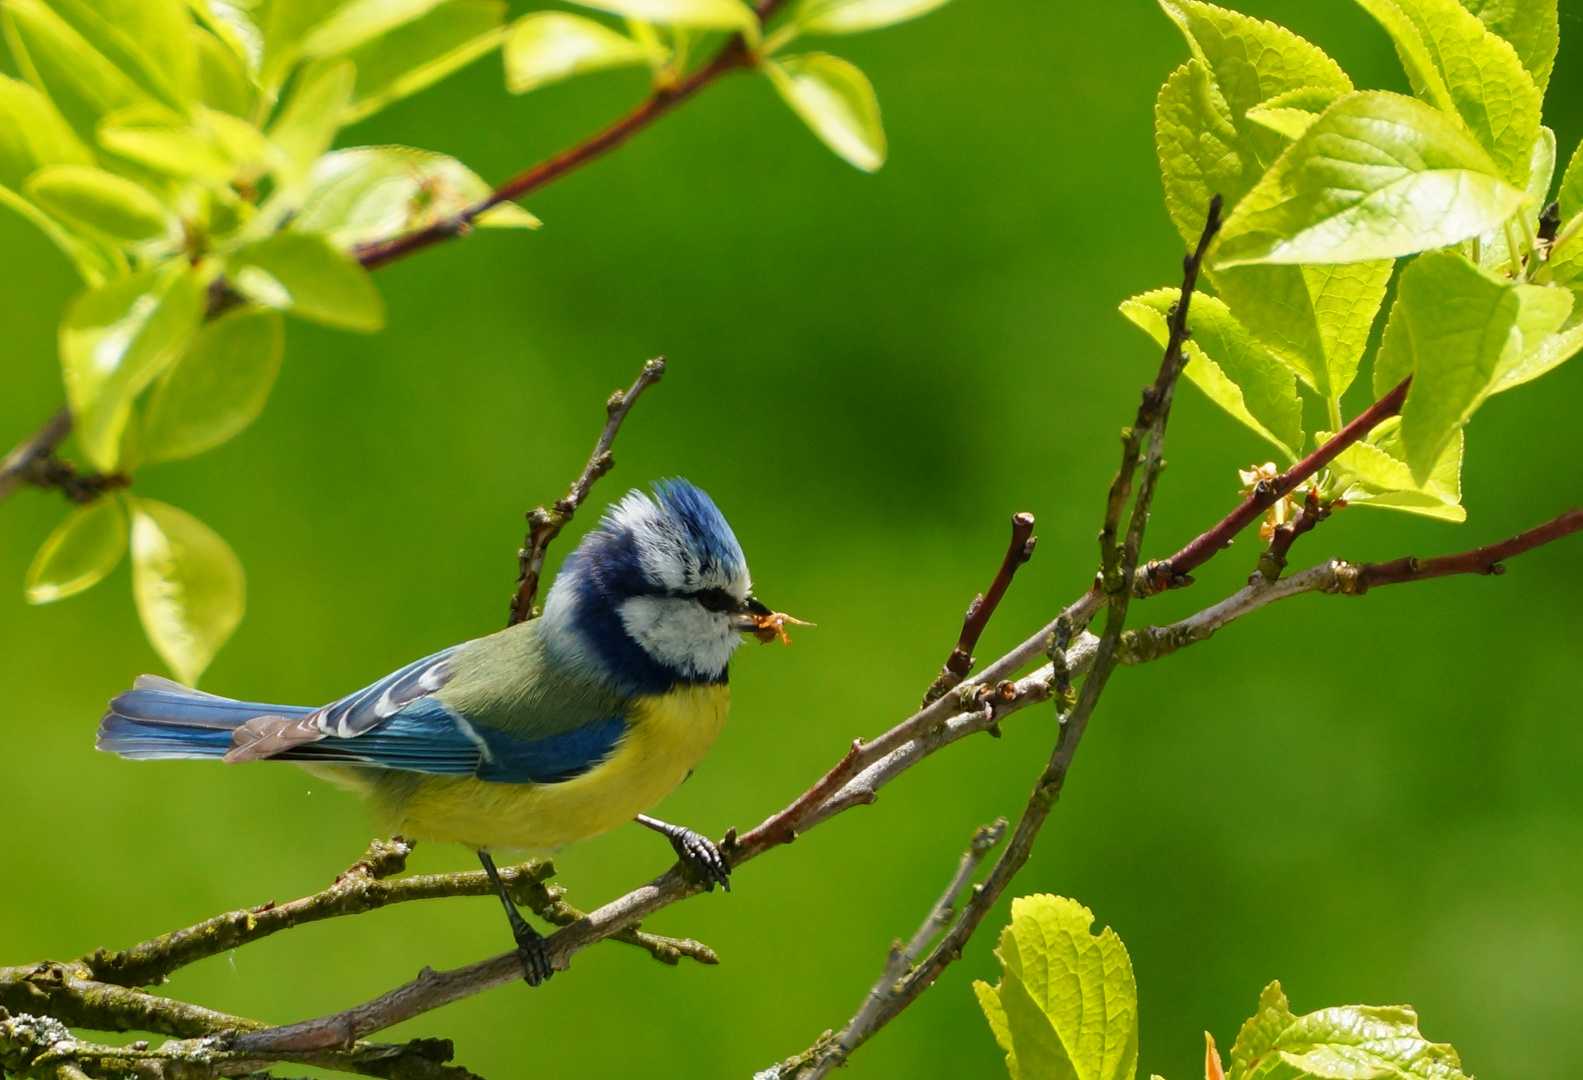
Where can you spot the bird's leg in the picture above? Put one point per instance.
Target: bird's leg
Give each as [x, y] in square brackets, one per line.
[694, 849]
[530, 943]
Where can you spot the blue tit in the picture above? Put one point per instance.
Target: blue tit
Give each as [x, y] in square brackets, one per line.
[550, 731]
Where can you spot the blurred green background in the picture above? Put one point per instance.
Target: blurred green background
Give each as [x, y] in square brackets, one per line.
[1373, 800]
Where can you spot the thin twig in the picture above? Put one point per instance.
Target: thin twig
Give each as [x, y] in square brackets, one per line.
[982, 609]
[1309, 515]
[544, 525]
[26, 462]
[1484, 560]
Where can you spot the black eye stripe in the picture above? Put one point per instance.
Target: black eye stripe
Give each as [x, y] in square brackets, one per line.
[717, 600]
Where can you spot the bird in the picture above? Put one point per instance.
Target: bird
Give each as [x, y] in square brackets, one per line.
[545, 733]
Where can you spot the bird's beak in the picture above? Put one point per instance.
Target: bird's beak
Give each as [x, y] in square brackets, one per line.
[757, 619]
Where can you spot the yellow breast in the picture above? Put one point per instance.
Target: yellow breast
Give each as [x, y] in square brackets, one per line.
[670, 735]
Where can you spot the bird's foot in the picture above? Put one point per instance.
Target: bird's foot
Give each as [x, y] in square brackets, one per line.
[702, 855]
[532, 950]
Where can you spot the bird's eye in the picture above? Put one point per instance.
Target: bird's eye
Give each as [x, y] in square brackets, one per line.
[717, 600]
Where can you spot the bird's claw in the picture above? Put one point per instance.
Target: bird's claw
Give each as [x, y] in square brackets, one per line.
[535, 956]
[703, 856]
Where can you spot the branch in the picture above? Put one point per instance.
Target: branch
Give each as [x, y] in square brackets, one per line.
[1173, 572]
[33, 461]
[1484, 560]
[1309, 515]
[544, 525]
[982, 609]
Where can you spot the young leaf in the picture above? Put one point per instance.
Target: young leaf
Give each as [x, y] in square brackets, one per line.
[84, 547]
[423, 52]
[1532, 27]
[703, 14]
[854, 16]
[1377, 176]
[313, 114]
[360, 21]
[110, 205]
[1377, 474]
[147, 40]
[548, 46]
[217, 387]
[1457, 65]
[188, 585]
[1343, 1043]
[114, 340]
[837, 103]
[1551, 352]
[311, 278]
[1230, 367]
[33, 134]
[223, 79]
[167, 143]
[56, 59]
[1570, 197]
[283, 25]
[1066, 1004]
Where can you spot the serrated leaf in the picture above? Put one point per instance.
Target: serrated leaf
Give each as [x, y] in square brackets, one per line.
[1377, 474]
[549, 46]
[1494, 250]
[115, 340]
[1345, 1043]
[1532, 27]
[216, 389]
[311, 278]
[1459, 66]
[703, 14]
[1550, 353]
[1293, 112]
[1289, 122]
[854, 16]
[423, 52]
[358, 22]
[89, 198]
[1228, 365]
[837, 103]
[313, 114]
[84, 547]
[188, 585]
[373, 192]
[59, 61]
[989, 1001]
[1377, 176]
[1068, 998]
[1570, 196]
[33, 134]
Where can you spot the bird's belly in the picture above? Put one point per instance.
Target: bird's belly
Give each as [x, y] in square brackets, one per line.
[670, 735]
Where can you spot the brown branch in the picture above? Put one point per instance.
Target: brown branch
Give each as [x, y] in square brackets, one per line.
[33, 462]
[1484, 560]
[982, 609]
[1309, 515]
[1173, 572]
[544, 525]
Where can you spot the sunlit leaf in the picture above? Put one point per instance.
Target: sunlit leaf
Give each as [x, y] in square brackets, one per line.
[1066, 1007]
[91, 198]
[223, 79]
[1224, 361]
[1570, 196]
[311, 278]
[188, 585]
[1532, 27]
[84, 547]
[167, 144]
[423, 52]
[115, 340]
[837, 103]
[56, 59]
[217, 387]
[1378, 176]
[313, 114]
[704, 14]
[283, 25]
[549, 46]
[852, 16]
[33, 134]
[1377, 474]
[358, 22]
[1349, 1042]
[1550, 353]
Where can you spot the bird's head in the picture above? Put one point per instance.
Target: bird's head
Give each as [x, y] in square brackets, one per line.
[658, 593]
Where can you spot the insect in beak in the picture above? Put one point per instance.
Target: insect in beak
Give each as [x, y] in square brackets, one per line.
[757, 619]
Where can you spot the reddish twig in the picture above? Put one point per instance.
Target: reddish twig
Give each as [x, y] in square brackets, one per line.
[1359, 578]
[982, 609]
[33, 462]
[544, 525]
[1273, 561]
[1173, 572]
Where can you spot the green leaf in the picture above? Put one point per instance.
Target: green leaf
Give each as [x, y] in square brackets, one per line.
[837, 103]
[115, 340]
[217, 388]
[148, 40]
[1293, 112]
[1551, 352]
[1456, 328]
[166, 144]
[1227, 364]
[1532, 27]
[1346, 1043]
[84, 547]
[1067, 1003]
[423, 52]
[188, 585]
[358, 22]
[1378, 176]
[1376, 474]
[311, 278]
[549, 46]
[33, 134]
[1457, 65]
[1570, 197]
[56, 59]
[854, 16]
[703, 14]
[90, 198]
[314, 113]
[224, 82]
[284, 23]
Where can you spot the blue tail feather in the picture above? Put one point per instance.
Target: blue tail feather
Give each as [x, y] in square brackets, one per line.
[160, 719]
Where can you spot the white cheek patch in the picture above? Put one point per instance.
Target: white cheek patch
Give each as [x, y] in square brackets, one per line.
[680, 634]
